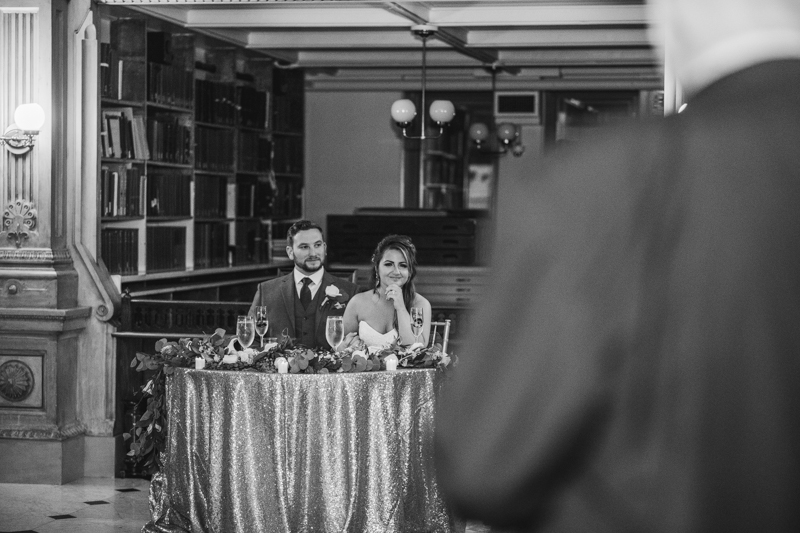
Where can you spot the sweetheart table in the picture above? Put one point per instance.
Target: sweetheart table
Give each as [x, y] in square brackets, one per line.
[248, 451]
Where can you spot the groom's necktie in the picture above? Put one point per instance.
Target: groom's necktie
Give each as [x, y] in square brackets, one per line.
[305, 293]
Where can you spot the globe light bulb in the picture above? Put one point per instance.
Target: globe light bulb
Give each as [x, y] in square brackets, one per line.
[478, 132]
[29, 117]
[403, 111]
[506, 132]
[442, 111]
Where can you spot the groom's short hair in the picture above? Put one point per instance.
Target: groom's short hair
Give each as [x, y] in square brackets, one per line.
[301, 225]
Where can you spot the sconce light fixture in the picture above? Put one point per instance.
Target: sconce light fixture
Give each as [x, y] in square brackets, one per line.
[20, 136]
[404, 110]
[507, 134]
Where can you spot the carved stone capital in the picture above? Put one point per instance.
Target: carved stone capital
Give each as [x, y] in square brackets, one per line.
[19, 220]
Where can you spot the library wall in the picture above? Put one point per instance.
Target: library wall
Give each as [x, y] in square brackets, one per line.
[353, 153]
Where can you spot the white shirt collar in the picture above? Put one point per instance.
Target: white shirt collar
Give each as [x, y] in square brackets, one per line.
[316, 278]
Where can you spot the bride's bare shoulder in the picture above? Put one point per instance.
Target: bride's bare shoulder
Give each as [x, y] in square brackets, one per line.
[361, 298]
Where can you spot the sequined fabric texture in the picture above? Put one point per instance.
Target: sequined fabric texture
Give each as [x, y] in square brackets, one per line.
[299, 453]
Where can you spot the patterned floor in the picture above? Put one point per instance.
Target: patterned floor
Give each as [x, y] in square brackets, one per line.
[90, 505]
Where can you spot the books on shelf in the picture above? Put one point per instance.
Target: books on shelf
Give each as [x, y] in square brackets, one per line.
[120, 250]
[215, 102]
[121, 187]
[249, 248]
[210, 244]
[169, 136]
[168, 194]
[166, 248]
[170, 85]
[254, 152]
[288, 155]
[253, 106]
[214, 149]
[122, 134]
[210, 195]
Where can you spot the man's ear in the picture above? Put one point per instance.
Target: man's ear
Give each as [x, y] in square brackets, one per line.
[290, 252]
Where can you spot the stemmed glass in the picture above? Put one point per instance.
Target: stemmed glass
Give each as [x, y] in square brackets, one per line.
[245, 330]
[334, 331]
[262, 324]
[417, 320]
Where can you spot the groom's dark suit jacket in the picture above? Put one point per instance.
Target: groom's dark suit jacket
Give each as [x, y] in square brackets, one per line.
[279, 296]
[636, 367]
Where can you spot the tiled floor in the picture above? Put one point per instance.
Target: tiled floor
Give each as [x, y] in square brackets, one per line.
[91, 505]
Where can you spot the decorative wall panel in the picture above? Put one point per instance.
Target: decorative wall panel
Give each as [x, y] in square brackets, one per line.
[19, 29]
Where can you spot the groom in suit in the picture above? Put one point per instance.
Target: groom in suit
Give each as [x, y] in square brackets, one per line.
[299, 303]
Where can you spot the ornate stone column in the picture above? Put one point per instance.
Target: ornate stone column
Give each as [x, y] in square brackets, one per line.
[41, 436]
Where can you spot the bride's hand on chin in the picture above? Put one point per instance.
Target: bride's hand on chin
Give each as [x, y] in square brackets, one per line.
[395, 294]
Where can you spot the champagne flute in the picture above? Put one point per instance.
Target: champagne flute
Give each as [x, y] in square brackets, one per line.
[262, 324]
[245, 330]
[334, 331]
[417, 320]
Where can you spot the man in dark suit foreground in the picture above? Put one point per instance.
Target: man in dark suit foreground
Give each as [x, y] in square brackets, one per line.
[299, 303]
[637, 365]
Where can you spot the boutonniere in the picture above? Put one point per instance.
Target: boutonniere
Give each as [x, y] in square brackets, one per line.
[335, 297]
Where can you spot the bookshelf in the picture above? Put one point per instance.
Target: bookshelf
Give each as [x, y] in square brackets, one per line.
[201, 149]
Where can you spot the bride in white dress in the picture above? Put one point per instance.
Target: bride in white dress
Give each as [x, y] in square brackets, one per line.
[382, 315]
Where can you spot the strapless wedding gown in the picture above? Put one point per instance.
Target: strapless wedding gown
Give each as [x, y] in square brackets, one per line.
[374, 339]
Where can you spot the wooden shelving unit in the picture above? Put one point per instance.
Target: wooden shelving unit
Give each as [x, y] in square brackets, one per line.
[194, 170]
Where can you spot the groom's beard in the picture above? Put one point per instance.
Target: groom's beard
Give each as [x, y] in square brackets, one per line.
[304, 265]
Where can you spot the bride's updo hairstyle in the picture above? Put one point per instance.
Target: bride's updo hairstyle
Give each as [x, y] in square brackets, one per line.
[402, 244]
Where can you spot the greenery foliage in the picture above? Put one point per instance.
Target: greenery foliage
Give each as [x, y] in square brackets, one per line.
[149, 432]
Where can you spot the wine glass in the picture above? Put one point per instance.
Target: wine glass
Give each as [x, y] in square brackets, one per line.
[262, 324]
[334, 331]
[245, 330]
[417, 320]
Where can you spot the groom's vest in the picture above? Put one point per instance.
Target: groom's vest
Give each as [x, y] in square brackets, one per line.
[305, 320]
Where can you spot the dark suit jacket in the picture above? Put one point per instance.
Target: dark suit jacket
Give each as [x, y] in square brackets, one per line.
[647, 376]
[279, 297]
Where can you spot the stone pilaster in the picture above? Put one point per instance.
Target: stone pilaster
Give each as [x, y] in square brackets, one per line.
[41, 435]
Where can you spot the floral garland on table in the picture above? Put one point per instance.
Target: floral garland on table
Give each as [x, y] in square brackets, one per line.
[211, 353]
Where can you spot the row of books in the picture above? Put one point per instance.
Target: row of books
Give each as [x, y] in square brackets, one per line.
[213, 149]
[170, 85]
[120, 250]
[288, 155]
[254, 196]
[166, 248]
[210, 244]
[253, 106]
[170, 137]
[121, 189]
[210, 195]
[120, 79]
[254, 152]
[168, 194]
[215, 102]
[288, 202]
[122, 134]
[288, 113]
[251, 246]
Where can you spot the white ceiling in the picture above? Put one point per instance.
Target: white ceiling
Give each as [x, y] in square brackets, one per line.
[352, 44]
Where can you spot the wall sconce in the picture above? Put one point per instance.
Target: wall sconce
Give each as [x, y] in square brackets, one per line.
[20, 137]
[507, 135]
[441, 111]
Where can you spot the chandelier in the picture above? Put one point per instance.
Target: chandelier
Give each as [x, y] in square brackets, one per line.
[404, 110]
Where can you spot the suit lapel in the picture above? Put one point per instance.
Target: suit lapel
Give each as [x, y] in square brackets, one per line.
[327, 279]
[287, 291]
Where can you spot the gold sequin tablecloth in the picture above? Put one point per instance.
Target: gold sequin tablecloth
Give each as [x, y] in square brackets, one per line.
[292, 453]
